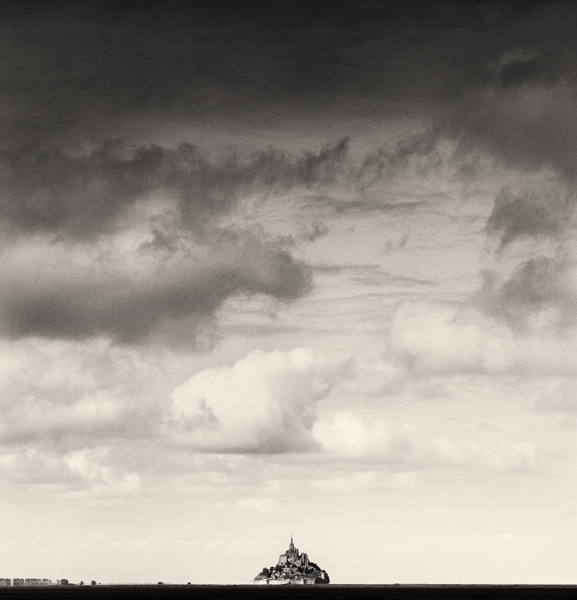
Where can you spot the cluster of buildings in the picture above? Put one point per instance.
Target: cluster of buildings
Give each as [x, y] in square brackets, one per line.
[292, 568]
[18, 582]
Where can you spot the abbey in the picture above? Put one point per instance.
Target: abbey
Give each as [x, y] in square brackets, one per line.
[292, 568]
[292, 556]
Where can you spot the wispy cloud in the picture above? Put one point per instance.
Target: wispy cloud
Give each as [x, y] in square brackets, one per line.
[80, 473]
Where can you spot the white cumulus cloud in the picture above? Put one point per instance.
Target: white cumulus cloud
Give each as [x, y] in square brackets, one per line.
[349, 436]
[429, 337]
[265, 402]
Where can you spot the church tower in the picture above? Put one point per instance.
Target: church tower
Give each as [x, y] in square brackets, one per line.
[292, 551]
[291, 555]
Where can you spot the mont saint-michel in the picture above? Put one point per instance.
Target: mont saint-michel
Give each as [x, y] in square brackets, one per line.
[292, 567]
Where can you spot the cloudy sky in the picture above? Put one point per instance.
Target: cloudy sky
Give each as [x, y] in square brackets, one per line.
[289, 266]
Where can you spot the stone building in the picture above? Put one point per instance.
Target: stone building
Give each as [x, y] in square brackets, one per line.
[292, 568]
[292, 556]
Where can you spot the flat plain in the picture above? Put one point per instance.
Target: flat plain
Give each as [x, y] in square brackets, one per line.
[329, 592]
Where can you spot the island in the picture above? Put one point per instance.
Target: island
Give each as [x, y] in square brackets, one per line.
[292, 568]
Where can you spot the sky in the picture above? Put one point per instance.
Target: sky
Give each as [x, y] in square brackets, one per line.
[288, 267]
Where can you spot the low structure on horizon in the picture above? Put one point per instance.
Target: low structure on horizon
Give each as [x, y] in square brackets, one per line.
[20, 582]
[292, 568]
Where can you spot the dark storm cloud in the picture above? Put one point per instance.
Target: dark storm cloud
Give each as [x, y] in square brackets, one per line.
[50, 190]
[60, 204]
[523, 67]
[530, 127]
[385, 163]
[526, 118]
[485, 72]
[529, 215]
[65, 65]
[523, 113]
[55, 297]
[527, 127]
[57, 205]
[540, 293]
[68, 66]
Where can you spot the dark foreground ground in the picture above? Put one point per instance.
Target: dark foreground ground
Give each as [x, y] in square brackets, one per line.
[317, 592]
